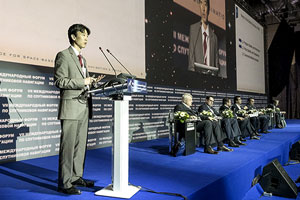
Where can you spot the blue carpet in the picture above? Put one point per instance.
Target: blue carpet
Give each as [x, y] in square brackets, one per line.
[198, 176]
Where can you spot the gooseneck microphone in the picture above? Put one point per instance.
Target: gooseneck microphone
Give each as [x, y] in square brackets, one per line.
[108, 61]
[118, 61]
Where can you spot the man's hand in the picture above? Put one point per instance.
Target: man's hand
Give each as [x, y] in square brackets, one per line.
[212, 119]
[193, 117]
[89, 80]
[240, 118]
[99, 78]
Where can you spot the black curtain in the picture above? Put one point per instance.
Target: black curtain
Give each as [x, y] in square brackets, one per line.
[280, 55]
[293, 92]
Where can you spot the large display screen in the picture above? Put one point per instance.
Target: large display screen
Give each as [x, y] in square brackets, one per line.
[250, 64]
[32, 32]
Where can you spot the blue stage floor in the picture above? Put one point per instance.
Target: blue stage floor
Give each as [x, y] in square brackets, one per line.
[198, 176]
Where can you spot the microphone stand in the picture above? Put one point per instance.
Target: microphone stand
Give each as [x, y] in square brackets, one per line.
[108, 61]
[119, 62]
[114, 81]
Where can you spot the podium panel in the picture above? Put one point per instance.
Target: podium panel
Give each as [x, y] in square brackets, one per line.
[120, 153]
[187, 131]
[119, 90]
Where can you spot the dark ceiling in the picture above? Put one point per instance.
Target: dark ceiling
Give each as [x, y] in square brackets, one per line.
[272, 11]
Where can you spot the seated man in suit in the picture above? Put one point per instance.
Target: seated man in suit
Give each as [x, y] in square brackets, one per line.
[246, 128]
[278, 115]
[262, 121]
[204, 126]
[217, 131]
[231, 124]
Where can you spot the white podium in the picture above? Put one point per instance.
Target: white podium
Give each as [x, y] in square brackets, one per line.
[119, 187]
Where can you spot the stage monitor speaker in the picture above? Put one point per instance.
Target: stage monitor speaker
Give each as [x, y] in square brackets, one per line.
[275, 180]
[295, 151]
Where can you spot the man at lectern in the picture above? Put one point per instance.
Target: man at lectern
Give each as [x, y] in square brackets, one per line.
[72, 78]
[203, 45]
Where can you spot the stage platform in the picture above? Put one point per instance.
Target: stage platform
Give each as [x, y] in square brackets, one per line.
[227, 175]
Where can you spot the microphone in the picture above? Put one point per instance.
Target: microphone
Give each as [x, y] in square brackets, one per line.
[118, 61]
[108, 61]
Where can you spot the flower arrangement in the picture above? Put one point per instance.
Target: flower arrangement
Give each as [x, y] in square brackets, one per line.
[267, 110]
[227, 113]
[277, 109]
[206, 113]
[181, 116]
[252, 111]
[242, 112]
[262, 111]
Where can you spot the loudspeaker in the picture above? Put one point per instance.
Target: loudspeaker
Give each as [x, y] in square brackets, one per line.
[275, 180]
[295, 151]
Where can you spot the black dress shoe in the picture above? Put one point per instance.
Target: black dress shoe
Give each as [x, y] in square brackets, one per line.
[210, 150]
[223, 148]
[243, 140]
[266, 132]
[71, 190]
[233, 144]
[279, 126]
[83, 183]
[240, 143]
[257, 134]
[254, 137]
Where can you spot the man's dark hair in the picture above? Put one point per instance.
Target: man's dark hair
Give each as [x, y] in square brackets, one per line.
[225, 100]
[208, 97]
[75, 28]
[235, 99]
[250, 98]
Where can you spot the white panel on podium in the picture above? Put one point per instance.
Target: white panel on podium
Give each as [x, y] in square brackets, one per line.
[126, 194]
[119, 187]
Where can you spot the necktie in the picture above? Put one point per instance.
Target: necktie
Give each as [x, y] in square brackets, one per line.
[205, 48]
[80, 60]
[212, 111]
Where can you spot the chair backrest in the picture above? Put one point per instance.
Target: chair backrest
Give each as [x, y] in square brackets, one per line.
[171, 116]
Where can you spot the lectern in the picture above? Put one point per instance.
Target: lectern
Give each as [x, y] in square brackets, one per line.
[120, 93]
[187, 130]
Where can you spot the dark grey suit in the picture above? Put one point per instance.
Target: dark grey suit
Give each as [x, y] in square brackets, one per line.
[196, 49]
[73, 113]
[217, 130]
[230, 125]
[260, 122]
[277, 115]
[245, 125]
[202, 126]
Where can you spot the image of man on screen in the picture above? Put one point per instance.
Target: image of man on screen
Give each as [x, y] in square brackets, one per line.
[203, 44]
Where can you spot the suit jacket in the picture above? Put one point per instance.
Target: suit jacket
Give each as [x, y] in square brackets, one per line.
[182, 107]
[235, 109]
[250, 107]
[223, 107]
[206, 108]
[196, 49]
[69, 78]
